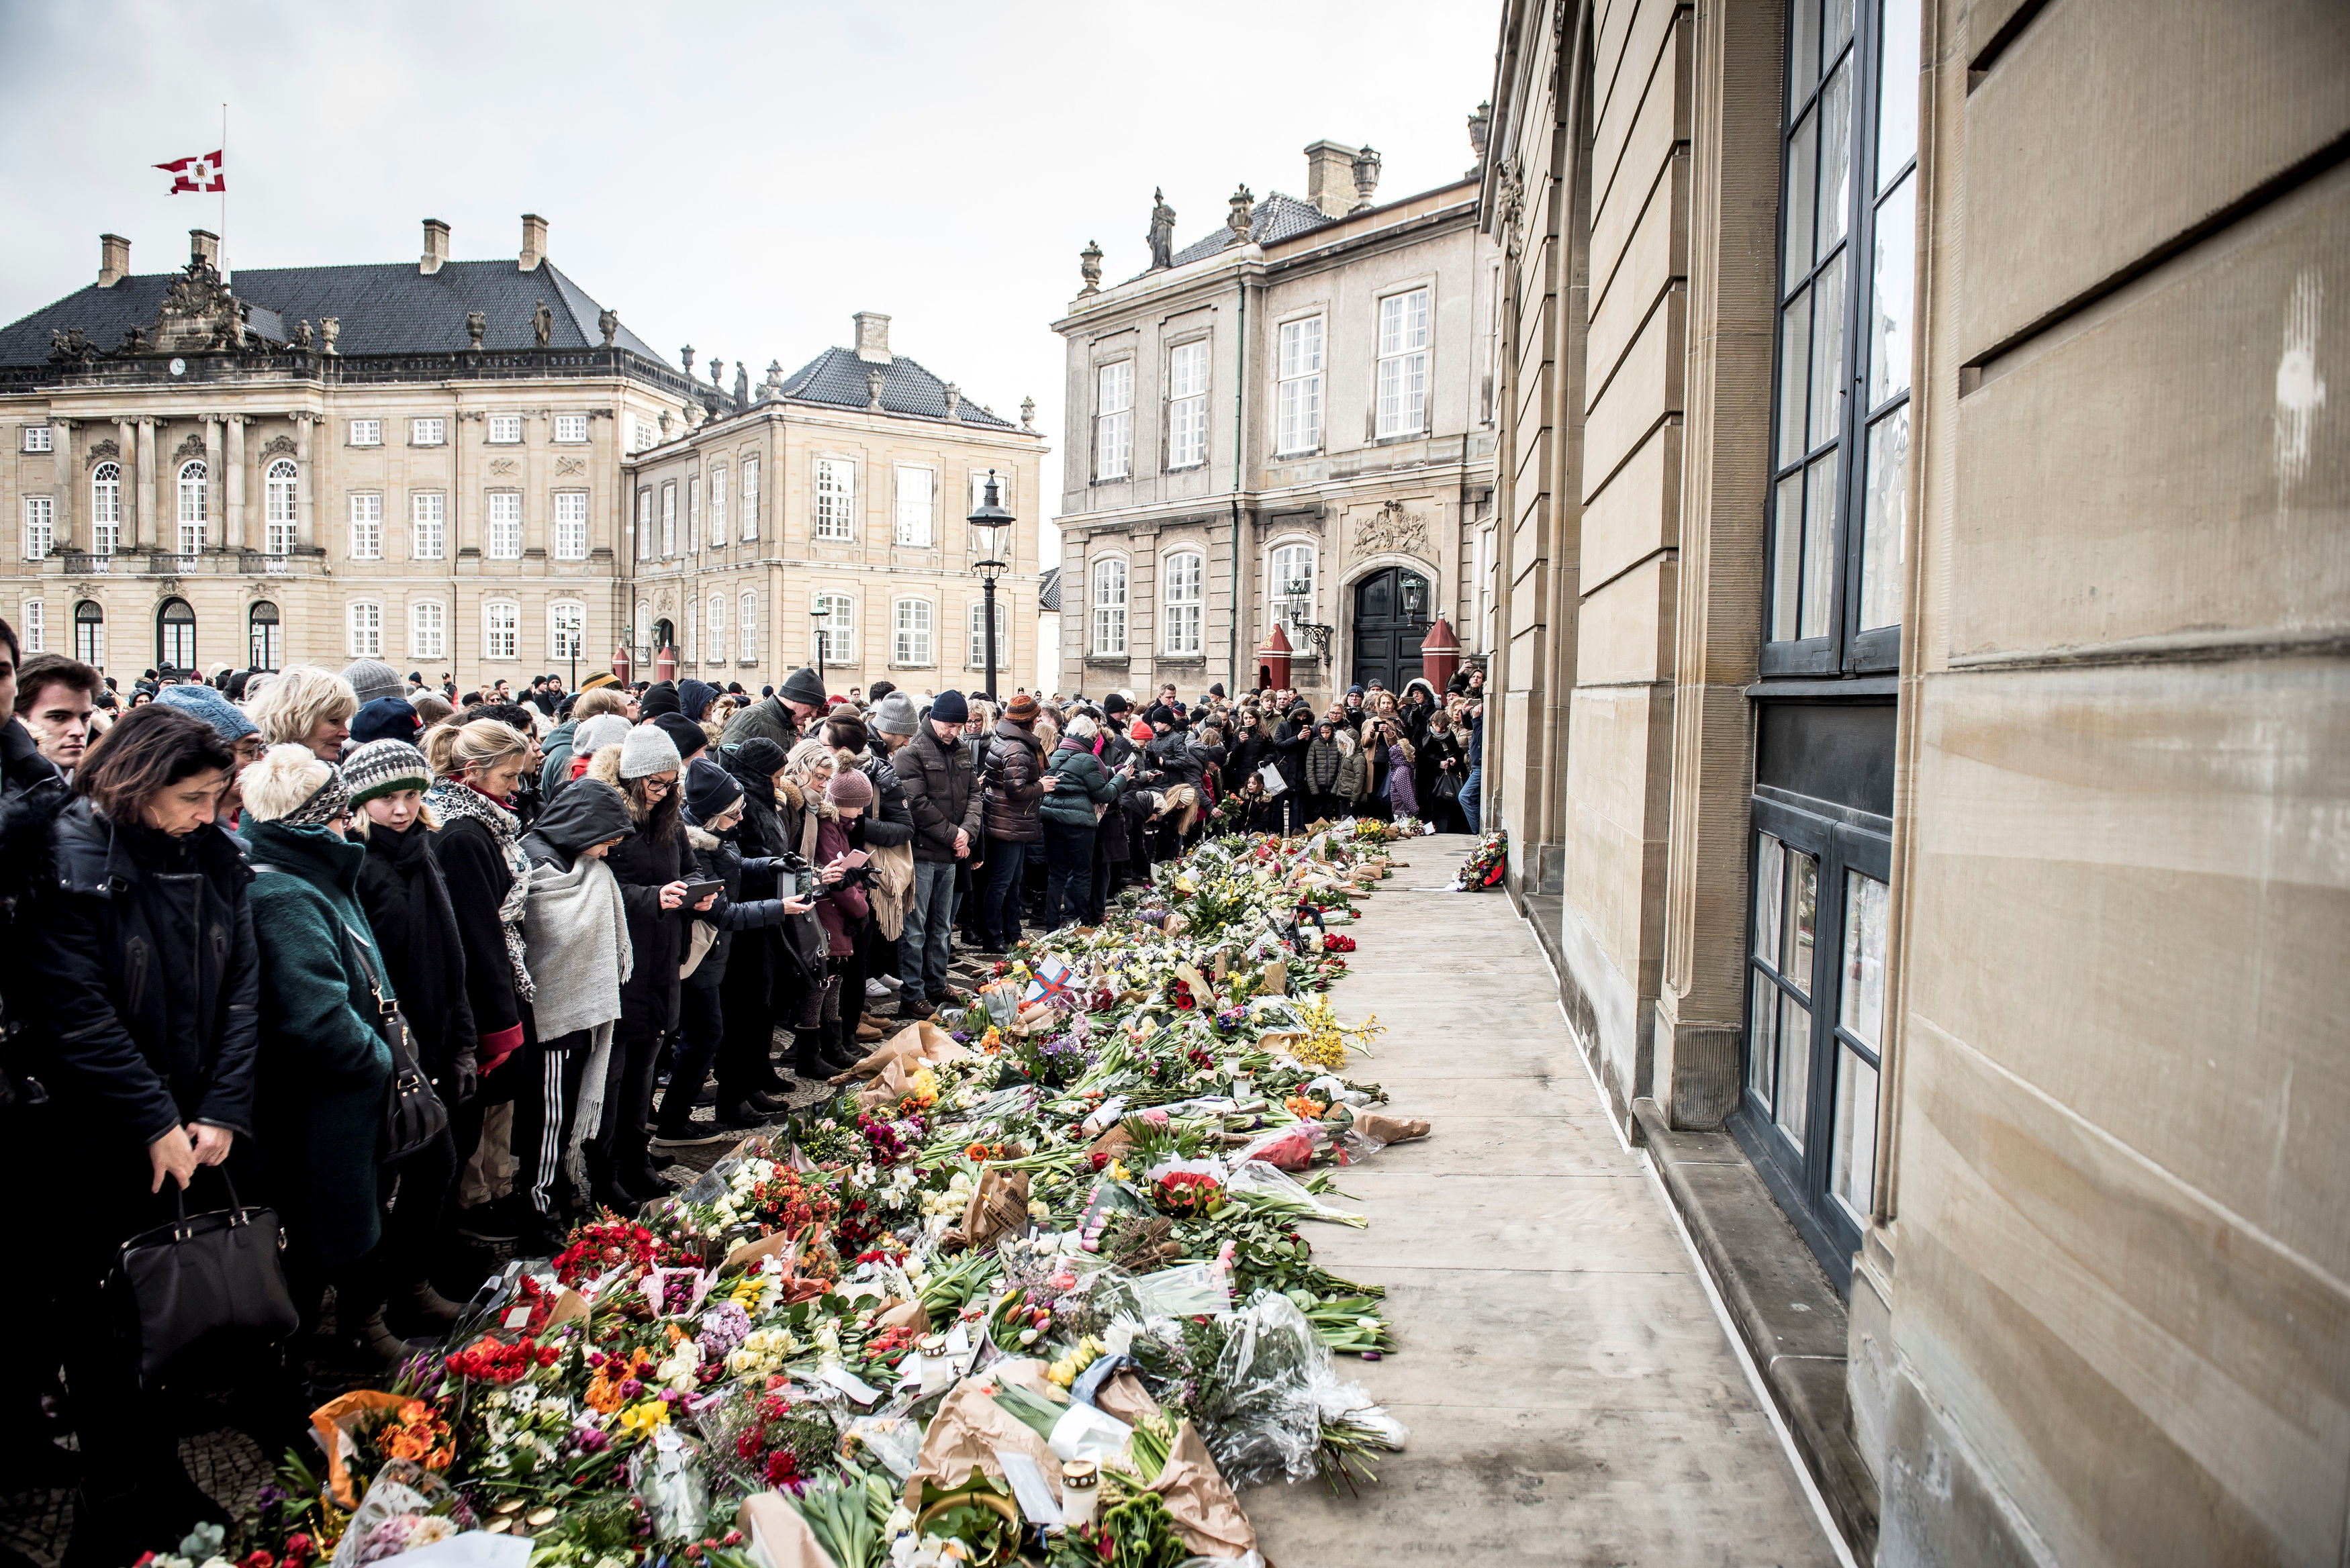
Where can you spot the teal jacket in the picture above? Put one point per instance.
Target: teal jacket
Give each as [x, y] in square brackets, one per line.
[1084, 784]
[324, 1069]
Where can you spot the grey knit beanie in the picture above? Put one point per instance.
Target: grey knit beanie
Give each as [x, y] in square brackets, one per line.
[647, 752]
[372, 678]
[893, 715]
[594, 734]
[385, 767]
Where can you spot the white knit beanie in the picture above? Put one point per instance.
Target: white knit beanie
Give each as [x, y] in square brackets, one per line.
[648, 751]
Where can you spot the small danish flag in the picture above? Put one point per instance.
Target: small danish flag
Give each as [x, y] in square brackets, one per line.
[202, 173]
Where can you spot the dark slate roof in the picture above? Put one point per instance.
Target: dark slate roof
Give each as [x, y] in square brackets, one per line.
[1278, 217]
[837, 377]
[385, 307]
[1048, 590]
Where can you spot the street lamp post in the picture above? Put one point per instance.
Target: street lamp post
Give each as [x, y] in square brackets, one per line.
[989, 524]
[817, 618]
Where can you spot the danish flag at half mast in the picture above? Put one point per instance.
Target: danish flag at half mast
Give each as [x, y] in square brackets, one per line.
[202, 173]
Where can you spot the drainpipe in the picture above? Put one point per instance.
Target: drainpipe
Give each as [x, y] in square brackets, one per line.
[1240, 395]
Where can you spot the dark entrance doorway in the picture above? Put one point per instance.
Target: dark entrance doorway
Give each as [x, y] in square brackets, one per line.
[1390, 618]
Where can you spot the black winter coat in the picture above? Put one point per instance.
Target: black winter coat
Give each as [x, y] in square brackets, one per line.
[714, 858]
[150, 978]
[762, 829]
[32, 794]
[939, 785]
[887, 823]
[643, 866]
[1016, 770]
[474, 868]
[1288, 751]
[407, 903]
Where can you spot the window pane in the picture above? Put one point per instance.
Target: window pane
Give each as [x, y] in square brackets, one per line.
[1792, 1109]
[1819, 547]
[1787, 568]
[1804, 49]
[1839, 31]
[1893, 304]
[1882, 525]
[1763, 1044]
[1835, 153]
[1862, 1000]
[1803, 919]
[1802, 149]
[1852, 1173]
[1896, 112]
[1770, 885]
[1795, 356]
[1827, 355]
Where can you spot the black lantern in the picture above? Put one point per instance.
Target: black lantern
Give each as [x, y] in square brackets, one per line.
[991, 527]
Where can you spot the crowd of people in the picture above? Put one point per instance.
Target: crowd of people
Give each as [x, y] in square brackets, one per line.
[236, 900]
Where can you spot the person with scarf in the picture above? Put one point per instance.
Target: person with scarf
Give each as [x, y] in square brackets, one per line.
[754, 992]
[841, 910]
[575, 925]
[478, 847]
[801, 809]
[1401, 799]
[415, 925]
[1071, 817]
[1321, 772]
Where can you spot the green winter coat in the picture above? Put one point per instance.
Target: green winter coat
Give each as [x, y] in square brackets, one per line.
[323, 1070]
[1085, 783]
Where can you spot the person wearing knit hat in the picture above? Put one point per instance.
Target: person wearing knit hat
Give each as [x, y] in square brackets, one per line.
[804, 686]
[1116, 703]
[594, 734]
[228, 721]
[893, 715]
[849, 788]
[1022, 710]
[711, 792]
[950, 709]
[659, 699]
[372, 678]
[386, 719]
[687, 735]
[648, 751]
[693, 698]
[601, 679]
[379, 768]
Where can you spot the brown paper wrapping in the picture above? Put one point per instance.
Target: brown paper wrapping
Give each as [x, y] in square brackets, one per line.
[568, 1303]
[331, 1418]
[772, 1244]
[781, 1536]
[914, 1044]
[1391, 1129]
[1115, 1141]
[966, 1432]
[999, 1206]
[1207, 1515]
[1276, 978]
[906, 1315]
[1124, 1397]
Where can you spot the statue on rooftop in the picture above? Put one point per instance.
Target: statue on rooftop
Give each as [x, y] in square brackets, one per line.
[1162, 230]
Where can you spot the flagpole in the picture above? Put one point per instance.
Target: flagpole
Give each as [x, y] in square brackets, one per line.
[223, 180]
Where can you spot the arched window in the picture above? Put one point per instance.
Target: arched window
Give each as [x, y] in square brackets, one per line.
[1183, 602]
[978, 659]
[838, 627]
[501, 629]
[89, 633]
[567, 629]
[1289, 584]
[1109, 607]
[644, 625]
[428, 630]
[175, 635]
[746, 623]
[911, 643]
[193, 491]
[265, 637]
[105, 509]
[277, 508]
[714, 650]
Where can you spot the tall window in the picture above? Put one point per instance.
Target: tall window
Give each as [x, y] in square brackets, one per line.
[838, 627]
[718, 505]
[570, 524]
[714, 648]
[1183, 602]
[1187, 405]
[428, 630]
[567, 629]
[570, 428]
[265, 635]
[505, 540]
[1403, 364]
[979, 490]
[911, 643]
[691, 618]
[746, 626]
[693, 510]
[175, 635]
[836, 497]
[644, 624]
[40, 524]
[1297, 399]
[642, 433]
[429, 521]
[1289, 583]
[506, 430]
[1108, 602]
[669, 519]
[278, 490]
[978, 659]
[917, 506]
[1114, 421]
[33, 624]
[429, 432]
[750, 498]
[105, 510]
[501, 629]
[367, 527]
[89, 633]
[1848, 268]
[644, 525]
[195, 492]
[366, 619]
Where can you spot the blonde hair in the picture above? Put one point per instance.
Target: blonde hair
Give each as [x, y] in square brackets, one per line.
[598, 700]
[297, 700]
[286, 775]
[454, 748]
[805, 755]
[426, 818]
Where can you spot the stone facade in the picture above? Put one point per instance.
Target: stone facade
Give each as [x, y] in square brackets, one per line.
[1931, 770]
[1202, 503]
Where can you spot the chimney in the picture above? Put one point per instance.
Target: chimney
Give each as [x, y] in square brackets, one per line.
[534, 241]
[436, 247]
[1330, 178]
[204, 246]
[113, 260]
[873, 337]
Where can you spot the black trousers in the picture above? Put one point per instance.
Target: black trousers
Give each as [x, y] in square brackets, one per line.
[1068, 872]
[747, 995]
[420, 1186]
[547, 1107]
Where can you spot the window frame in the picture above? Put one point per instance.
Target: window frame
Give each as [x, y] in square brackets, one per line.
[1187, 411]
[89, 633]
[370, 645]
[40, 516]
[491, 631]
[1844, 648]
[557, 631]
[38, 439]
[427, 429]
[713, 629]
[365, 540]
[748, 466]
[274, 484]
[1192, 607]
[428, 641]
[575, 528]
[1424, 352]
[563, 422]
[192, 491]
[928, 539]
[33, 624]
[833, 602]
[106, 508]
[264, 649]
[746, 626]
[1095, 608]
[975, 624]
[172, 647]
[926, 657]
[493, 421]
[668, 519]
[644, 528]
[1282, 379]
[718, 507]
[832, 500]
[364, 432]
[419, 501]
[496, 502]
[1277, 597]
[1113, 427]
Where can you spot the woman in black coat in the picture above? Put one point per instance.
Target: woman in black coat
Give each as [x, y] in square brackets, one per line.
[1441, 756]
[757, 988]
[147, 1013]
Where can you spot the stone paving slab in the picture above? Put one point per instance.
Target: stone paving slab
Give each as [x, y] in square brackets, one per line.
[1571, 1396]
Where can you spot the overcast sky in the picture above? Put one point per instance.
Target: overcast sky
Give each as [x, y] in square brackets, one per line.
[739, 178]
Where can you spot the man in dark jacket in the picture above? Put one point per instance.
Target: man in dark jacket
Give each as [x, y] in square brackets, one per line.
[780, 718]
[1017, 785]
[934, 769]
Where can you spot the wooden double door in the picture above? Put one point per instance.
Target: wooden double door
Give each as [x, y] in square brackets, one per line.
[1391, 616]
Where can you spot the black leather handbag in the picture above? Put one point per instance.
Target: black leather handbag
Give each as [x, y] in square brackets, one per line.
[204, 1274]
[413, 1114]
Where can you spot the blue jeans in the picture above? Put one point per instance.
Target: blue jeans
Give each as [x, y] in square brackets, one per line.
[1471, 788]
[999, 913]
[922, 944]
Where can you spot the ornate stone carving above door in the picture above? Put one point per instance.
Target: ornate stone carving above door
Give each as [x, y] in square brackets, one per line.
[1392, 527]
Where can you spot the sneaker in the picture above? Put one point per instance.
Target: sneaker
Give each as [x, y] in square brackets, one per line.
[877, 991]
[487, 1222]
[952, 996]
[694, 1133]
[869, 1032]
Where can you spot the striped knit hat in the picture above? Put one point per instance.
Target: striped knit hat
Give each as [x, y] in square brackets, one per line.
[385, 767]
